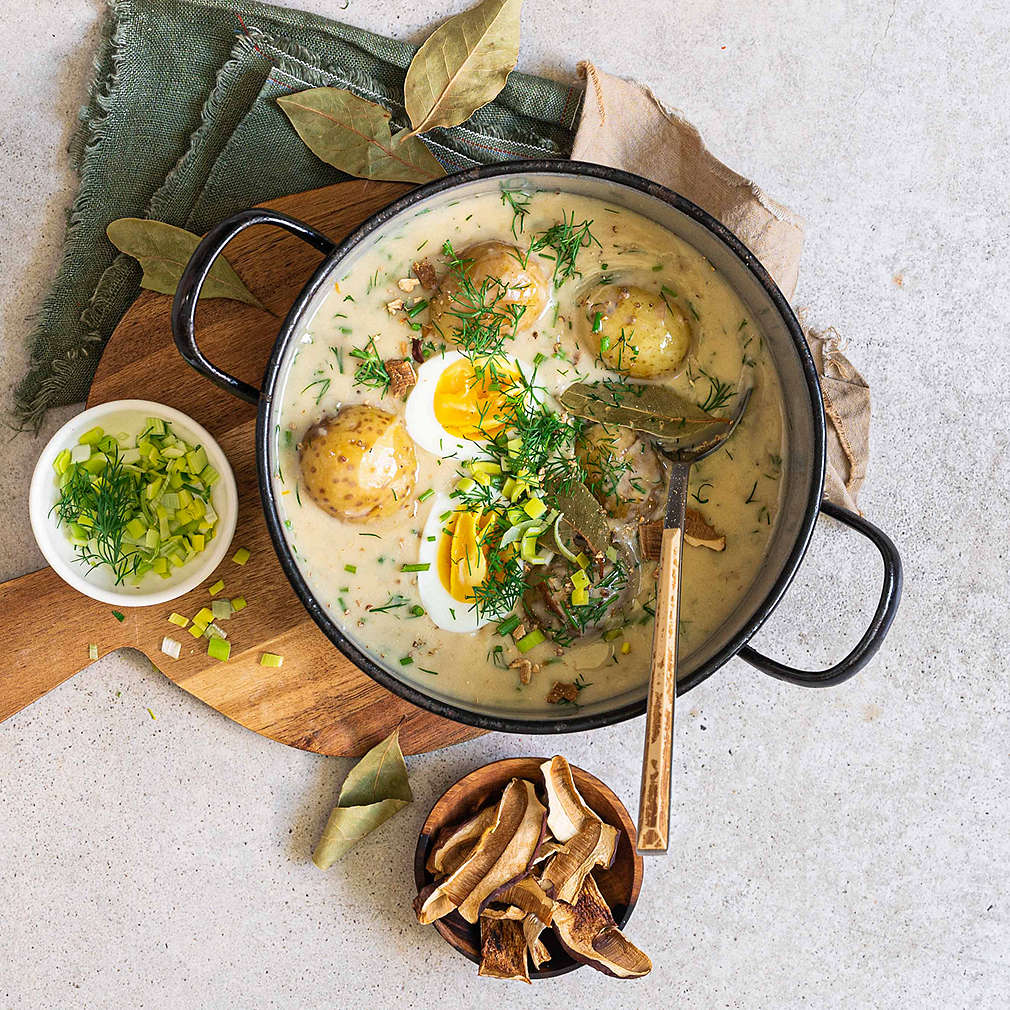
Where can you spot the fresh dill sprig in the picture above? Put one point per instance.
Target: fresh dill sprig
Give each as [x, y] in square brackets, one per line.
[370, 372]
[519, 201]
[719, 393]
[562, 243]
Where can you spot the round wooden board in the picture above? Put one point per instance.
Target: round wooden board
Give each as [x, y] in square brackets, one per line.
[318, 700]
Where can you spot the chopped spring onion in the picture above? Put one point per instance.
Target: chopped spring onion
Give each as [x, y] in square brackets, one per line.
[508, 625]
[271, 659]
[417, 610]
[530, 640]
[171, 647]
[421, 566]
[406, 661]
[178, 619]
[119, 616]
[425, 495]
[238, 604]
[350, 568]
[241, 556]
[93, 651]
[216, 588]
[218, 648]
[222, 610]
[597, 322]
[609, 636]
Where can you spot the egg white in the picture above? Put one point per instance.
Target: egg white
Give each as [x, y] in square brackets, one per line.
[445, 611]
[419, 414]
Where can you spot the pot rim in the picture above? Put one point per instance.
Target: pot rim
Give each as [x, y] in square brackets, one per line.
[344, 642]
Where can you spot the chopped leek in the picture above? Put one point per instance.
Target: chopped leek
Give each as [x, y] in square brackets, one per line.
[222, 610]
[271, 659]
[530, 640]
[171, 647]
[241, 556]
[238, 604]
[218, 648]
[178, 619]
[203, 616]
[93, 651]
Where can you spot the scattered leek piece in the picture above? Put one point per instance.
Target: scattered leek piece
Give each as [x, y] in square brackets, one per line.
[197, 630]
[534, 508]
[625, 648]
[580, 597]
[119, 616]
[421, 566]
[580, 580]
[238, 604]
[171, 647]
[204, 616]
[530, 640]
[350, 568]
[178, 619]
[93, 651]
[271, 659]
[213, 631]
[241, 556]
[406, 661]
[219, 648]
[221, 610]
[216, 588]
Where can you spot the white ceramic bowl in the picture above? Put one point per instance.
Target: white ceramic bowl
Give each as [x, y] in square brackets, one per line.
[98, 583]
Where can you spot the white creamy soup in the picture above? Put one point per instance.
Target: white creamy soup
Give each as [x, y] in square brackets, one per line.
[480, 535]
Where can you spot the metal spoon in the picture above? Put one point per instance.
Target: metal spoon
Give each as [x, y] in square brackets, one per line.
[654, 803]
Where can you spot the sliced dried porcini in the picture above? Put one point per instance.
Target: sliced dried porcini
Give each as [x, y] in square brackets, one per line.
[588, 932]
[594, 845]
[455, 843]
[425, 273]
[566, 809]
[650, 540]
[698, 532]
[502, 946]
[503, 853]
[401, 375]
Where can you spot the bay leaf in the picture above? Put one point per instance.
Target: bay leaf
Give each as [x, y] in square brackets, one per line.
[353, 134]
[654, 410]
[375, 789]
[581, 513]
[164, 250]
[463, 65]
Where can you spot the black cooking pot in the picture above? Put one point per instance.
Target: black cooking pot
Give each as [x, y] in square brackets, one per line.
[803, 474]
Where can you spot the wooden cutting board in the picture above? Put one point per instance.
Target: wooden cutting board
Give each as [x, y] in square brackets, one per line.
[317, 700]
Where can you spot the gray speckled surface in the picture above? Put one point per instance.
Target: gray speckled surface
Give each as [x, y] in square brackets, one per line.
[840, 848]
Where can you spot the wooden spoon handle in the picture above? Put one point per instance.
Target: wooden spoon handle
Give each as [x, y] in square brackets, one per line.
[47, 629]
[657, 764]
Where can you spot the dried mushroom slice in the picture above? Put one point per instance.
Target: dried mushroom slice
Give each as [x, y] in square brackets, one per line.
[454, 844]
[527, 898]
[502, 947]
[566, 809]
[699, 532]
[594, 845]
[588, 932]
[503, 854]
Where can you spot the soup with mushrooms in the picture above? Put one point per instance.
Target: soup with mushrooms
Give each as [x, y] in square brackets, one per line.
[454, 490]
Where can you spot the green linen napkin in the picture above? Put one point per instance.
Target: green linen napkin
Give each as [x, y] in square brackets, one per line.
[182, 125]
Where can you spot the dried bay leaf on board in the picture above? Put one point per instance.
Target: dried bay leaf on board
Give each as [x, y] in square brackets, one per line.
[654, 410]
[353, 135]
[164, 250]
[375, 789]
[463, 65]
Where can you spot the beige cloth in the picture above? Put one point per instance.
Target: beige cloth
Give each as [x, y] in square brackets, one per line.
[624, 125]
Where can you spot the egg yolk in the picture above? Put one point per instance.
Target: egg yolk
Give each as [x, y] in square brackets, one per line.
[462, 562]
[474, 404]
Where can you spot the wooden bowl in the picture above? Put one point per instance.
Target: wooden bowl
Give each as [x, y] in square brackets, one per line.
[620, 884]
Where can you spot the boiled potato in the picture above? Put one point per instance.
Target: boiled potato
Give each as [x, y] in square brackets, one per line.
[497, 280]
[624, 473]
[639, 333]
[359, 463]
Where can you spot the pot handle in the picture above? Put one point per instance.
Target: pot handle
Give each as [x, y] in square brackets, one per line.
[195, 274]
[874, 635]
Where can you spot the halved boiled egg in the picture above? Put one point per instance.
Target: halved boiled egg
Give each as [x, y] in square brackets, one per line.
[453, 545]
[457, 406]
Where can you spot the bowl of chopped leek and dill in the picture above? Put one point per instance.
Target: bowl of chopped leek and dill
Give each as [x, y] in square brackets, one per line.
[133, 503]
